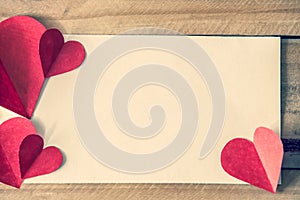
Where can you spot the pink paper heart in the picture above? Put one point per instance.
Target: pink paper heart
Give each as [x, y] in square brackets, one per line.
[258, 162]
[12, 133]
[20, 66]
[58, 57]
[36, 161]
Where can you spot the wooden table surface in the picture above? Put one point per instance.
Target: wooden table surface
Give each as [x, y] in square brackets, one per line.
[233, 17]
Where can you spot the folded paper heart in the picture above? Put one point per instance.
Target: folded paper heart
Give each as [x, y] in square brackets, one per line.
[21, 153]
[36, 161]
[20, 67]
[58, 57]
[28, 54]
[258, 162]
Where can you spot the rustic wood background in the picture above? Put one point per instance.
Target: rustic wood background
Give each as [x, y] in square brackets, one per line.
[232, 17]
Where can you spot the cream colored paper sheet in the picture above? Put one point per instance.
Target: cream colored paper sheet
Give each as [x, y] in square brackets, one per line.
[248, 67]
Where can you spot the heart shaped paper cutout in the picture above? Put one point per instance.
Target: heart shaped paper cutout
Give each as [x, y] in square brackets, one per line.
[20, 66]
[57, 56]
[22, 154]
[36, 161]
[258, 162]
[12, 133]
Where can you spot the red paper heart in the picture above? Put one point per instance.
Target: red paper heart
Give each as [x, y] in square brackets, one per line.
[12, 133]
[258, 162]
[36, 161]
[58, 57]
[20, 66]
[22, 154]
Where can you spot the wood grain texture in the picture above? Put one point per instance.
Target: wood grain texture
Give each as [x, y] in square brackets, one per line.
[290, 87]
[233, 17]
[289, 190]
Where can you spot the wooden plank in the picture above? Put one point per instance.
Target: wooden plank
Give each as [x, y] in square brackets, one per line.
[290, 101]
[289, 190]
[233, 17]
[290, 87]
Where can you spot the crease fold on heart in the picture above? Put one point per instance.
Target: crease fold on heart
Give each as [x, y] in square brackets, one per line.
[257, 163]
